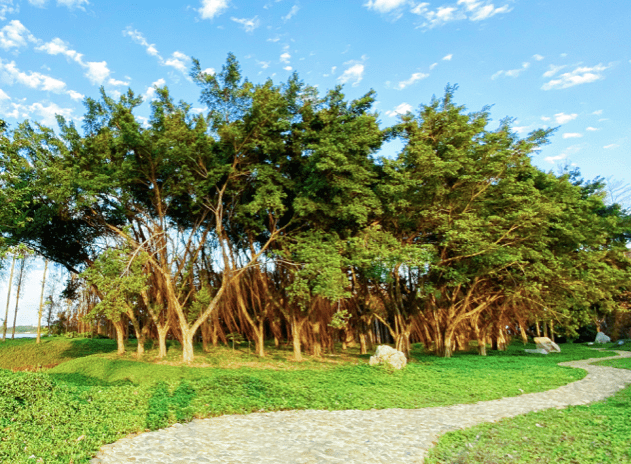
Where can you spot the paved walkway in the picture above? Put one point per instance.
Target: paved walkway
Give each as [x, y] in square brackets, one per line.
[374, 436]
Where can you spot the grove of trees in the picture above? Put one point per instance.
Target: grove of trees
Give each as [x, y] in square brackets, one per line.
[272, 215]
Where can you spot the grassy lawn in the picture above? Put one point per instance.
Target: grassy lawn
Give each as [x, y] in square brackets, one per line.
[92, 396]
[596, 433]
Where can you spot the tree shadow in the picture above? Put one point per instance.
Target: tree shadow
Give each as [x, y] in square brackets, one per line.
[165, 405]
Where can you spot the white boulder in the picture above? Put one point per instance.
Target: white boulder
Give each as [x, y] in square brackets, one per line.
[387, 354]
[544, 343]
[602, 338]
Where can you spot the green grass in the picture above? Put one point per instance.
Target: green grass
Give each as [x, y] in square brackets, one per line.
[66, 414]
[596, 433]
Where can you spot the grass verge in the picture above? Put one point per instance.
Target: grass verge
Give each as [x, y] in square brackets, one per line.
[66, 414]
[596, 433]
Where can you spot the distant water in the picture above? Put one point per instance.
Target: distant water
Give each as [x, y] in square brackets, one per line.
[19, 335]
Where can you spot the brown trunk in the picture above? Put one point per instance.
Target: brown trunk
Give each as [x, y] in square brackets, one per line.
[524, 336]
[162, 340]
[6, 316]
[41, 305]
[363, 348]
[120, 337]
[296, 329]
[545, 329]
[317, 343]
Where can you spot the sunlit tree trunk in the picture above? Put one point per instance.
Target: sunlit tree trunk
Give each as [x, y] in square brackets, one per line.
[6, 315]
[41, 304]
[22, 267]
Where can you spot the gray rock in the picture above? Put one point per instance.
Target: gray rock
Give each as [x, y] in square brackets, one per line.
[544, 343]
[620, 342]
[602, 338]
[537, 351]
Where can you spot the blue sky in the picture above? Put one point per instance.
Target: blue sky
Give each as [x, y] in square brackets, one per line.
[546, 63]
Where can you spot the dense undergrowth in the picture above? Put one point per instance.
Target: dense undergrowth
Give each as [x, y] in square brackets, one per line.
[66, 413]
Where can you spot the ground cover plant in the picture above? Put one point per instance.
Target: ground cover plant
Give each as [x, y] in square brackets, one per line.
[66, 413]
[596, 433]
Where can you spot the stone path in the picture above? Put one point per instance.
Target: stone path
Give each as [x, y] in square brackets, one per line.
[374, 436]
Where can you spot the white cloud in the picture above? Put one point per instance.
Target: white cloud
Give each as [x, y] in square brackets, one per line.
[413, 78]
[448, 57]
[292, 13]
[384, 6]
[432, 66]
[248, 25]
[288, 68]
[10, 74]
[511, 72]
[7, 7]
[116, 82]
[178, 61]
[581, 75]
[275, 39]
[610, 146]
[598, 112]
[150, 93]
[137, 37]
[4, 96]
[553, 69]
[38, 3]
[545, 118]
[538, 57]
[76, 95]
[353, 74]
[212, 8]
[566, 153]
[263, 64]
[285, 57]
[554, 159]
[473, 10]
[591, 129]
[45, 111]
[73, 3]
[97, 71]
[562, 118]
[572, 135]
[209, 71]
[15, 35]
[403, 108]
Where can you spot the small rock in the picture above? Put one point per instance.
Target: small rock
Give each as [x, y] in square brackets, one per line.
[387, 354]
[544, 343]
[620, 342]
[602, 338]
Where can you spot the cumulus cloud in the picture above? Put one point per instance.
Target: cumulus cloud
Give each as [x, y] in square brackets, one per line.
[212, 8]
[96, 71]
[353, 74]
[473, 10]
[116, 82]
[572, 135]
[15, 35]
[564, 154]
[45, 111]
[73, 3]
[538, 57]
[592, 129]
[285, 57]
[76, 95]
[413, 78]
[554, 159]
[581, 75]
[562, 118]
[288, 68]
[448, 57]
[511, 72]
[248, 24]
[263, 64]
[610, 146]
[403, 108]
[4, 96]
[292, 13]
[179, 61]
[10, 74]
[598, 112]
[432, 66]
[392, 7]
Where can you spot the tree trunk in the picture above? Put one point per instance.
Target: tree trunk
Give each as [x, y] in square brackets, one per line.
[120, 336]
[162, 340]
[41, 305]
[6, 316]
[296, 329]
[17, 297]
